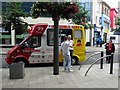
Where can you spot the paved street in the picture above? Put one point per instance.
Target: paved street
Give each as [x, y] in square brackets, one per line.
[92, 50]
[42, 77]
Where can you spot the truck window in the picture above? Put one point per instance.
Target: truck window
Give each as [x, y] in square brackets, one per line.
[78, 34]
[33, 42]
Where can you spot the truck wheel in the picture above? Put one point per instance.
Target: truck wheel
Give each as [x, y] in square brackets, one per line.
[74, 60]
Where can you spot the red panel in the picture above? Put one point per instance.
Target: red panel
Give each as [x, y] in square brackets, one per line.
[38, 29]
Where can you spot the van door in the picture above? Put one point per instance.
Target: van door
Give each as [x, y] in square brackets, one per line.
[49, 41]
[33, 45]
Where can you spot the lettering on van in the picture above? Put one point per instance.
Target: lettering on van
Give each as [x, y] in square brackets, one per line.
[31, 50]
[36, 56]
[39, 29]
[37, 50]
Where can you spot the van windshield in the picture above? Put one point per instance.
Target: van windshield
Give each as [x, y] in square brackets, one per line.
[25, 39]
[32, 42]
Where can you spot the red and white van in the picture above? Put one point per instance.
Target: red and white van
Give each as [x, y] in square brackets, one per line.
[38, 46]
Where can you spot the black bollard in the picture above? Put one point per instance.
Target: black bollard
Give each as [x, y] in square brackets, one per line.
[111, 64]
[101, 63]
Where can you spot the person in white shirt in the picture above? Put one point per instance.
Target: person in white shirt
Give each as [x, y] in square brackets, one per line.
[70, 48]
[66, 54]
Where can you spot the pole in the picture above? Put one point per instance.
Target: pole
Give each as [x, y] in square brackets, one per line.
[101, 63]
[56, 42]
[111, 64]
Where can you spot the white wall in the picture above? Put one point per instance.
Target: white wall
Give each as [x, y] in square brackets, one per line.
[87, 35]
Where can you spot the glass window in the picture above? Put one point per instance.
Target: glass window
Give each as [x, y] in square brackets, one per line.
[50, 37]
[33, 42]
[116, 33]
[113, 38]
[78, 34]
[19, 40]
[62, 34]
[65, 32]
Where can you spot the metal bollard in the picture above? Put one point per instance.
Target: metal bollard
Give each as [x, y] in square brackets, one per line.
[101, 62]
[111, 64]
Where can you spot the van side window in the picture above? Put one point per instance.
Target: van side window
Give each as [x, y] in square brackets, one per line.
[78, 34]
[50, 37]
[33, 42]
[65, 32]
[62, 34]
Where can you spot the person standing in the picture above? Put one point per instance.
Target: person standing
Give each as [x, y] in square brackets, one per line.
[97, 41]
[100, 41]
[66, 54]
[110, 48]
[71, 47]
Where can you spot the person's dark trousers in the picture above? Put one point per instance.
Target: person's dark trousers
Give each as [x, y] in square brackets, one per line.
[108, 58]
[101, 45]
[71, 53]
[97, 43]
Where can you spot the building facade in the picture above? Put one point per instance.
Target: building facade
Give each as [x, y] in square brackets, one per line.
[97, 10]
[113, 18]
[88, 5]
[94, 8]
[105, 21]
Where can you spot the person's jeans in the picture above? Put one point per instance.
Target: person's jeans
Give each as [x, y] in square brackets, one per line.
[71, 53]
[67, 62]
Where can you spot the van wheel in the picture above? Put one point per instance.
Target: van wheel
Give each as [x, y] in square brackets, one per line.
[74, 60]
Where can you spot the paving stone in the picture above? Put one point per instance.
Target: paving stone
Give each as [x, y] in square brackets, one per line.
[43, 77]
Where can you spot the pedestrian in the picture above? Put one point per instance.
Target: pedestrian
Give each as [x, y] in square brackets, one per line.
[100, 41]
[110, 48]
[66, 55]
[97, 41]
[70, 41]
